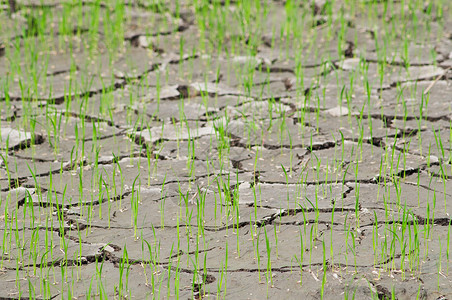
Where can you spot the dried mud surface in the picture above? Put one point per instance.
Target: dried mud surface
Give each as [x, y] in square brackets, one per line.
[169, 175]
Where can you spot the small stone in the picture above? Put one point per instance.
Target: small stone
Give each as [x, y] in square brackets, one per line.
[350, 64]
[338, 111]
[433, 159]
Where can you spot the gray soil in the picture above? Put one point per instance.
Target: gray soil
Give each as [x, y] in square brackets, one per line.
[168, 176]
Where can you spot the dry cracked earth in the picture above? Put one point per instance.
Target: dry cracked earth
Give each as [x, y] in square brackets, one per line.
[193, 150]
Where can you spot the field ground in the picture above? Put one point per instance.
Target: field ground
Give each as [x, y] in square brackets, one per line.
[225, 149]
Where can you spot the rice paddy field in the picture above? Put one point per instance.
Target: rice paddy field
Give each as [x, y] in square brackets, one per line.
[226, 149]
